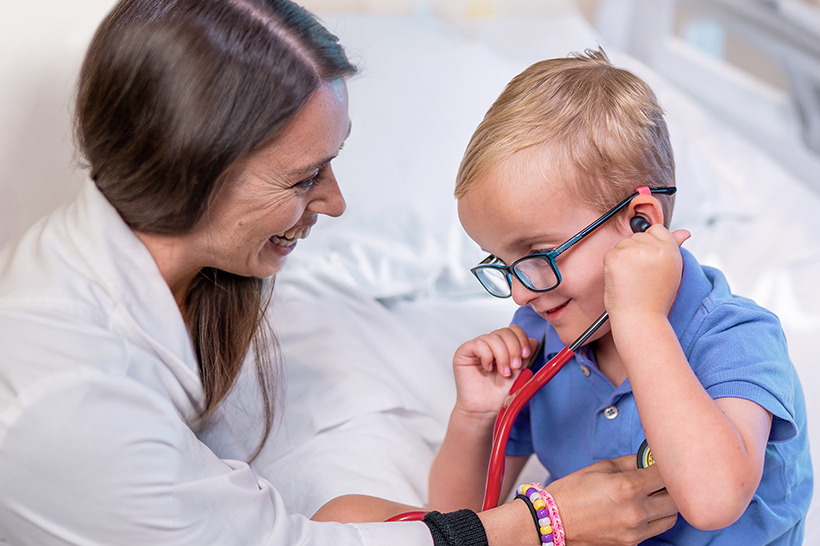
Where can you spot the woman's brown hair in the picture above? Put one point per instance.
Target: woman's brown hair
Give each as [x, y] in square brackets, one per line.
[174, 93]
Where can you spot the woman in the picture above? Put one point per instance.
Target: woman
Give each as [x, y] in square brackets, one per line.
[209, 127]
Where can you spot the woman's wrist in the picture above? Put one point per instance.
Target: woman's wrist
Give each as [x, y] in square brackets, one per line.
[544, 512]
[509, 524]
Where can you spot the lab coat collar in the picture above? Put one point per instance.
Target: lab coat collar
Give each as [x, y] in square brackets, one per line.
[128, 272]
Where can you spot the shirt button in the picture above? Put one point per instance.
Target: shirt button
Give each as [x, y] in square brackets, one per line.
[584, 370]
[611, 412]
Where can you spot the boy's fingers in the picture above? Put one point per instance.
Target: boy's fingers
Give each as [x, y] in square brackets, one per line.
[501, 353]
[515, 345]
[681, 235]
[523, 340]
[484, 353]
[533, 345]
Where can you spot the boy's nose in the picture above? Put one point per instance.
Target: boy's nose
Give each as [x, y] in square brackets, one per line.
[520, 293]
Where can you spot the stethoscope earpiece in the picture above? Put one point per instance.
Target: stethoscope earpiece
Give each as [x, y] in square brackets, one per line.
[639, 224]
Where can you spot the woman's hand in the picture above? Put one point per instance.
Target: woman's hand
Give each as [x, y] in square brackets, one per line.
[609, 503]
[613, 503]
[643, 272]
[485, 368]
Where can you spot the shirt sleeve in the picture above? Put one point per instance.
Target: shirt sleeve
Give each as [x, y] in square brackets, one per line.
[739, 350]
[86, 458]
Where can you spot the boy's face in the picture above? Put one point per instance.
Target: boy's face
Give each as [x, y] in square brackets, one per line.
[521, 208]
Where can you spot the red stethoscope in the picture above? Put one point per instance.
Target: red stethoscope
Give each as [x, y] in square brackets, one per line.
[524, 388]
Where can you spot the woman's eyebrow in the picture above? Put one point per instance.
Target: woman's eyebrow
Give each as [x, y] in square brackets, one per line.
[319, 164]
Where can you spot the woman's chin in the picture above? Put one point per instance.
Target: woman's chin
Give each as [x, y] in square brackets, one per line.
[273, 257]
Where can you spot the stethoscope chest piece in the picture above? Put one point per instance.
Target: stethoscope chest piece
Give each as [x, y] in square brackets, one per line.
[645, 455]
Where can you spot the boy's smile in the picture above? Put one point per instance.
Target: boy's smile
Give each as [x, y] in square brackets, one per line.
[521, 208]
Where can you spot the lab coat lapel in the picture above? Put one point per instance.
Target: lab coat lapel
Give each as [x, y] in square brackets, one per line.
[127, 271]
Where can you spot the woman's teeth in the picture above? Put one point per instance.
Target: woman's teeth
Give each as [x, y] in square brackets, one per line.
[289, 237]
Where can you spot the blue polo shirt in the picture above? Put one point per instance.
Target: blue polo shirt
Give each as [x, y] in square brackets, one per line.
[736, 349]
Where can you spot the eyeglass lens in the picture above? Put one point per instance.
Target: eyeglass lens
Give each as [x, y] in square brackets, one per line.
[536, 273]
[494, 281]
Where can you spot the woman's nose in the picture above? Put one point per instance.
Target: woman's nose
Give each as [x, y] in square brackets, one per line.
[328, 197]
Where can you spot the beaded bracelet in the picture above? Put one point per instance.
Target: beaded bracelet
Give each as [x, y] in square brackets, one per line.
[545, 514]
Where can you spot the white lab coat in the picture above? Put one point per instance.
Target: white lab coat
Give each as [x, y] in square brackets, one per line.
[99, 396]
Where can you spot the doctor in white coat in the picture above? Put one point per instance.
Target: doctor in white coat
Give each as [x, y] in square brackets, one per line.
[209, 128]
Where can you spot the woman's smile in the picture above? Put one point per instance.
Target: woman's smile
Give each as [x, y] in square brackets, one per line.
[288, 238]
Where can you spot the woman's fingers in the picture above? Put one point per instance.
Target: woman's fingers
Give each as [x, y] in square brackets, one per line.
[613, 502]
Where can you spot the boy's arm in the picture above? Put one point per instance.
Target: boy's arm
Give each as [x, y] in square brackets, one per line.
[458, 475]
[709, 452]
[484, 369]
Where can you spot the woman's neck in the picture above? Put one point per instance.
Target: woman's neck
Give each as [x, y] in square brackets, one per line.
[173, 256]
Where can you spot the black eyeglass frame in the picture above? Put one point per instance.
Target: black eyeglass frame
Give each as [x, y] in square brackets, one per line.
[550, 255]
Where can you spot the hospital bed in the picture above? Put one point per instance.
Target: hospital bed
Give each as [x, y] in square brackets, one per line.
[372, 305]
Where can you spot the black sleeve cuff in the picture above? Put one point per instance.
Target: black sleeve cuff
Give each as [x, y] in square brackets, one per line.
[460, 528]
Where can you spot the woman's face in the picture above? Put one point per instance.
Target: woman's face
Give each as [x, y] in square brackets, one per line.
[278, 192]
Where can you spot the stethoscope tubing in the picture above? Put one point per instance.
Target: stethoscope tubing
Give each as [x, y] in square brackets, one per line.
[524, 388]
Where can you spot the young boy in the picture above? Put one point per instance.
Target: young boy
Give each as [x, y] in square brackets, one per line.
[702, 375]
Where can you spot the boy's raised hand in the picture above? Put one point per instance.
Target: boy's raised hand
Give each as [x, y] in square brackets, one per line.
[643, 272]
[485, 368]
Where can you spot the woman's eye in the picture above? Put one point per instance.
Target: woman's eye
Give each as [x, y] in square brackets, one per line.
[314, 179]
[305, 185]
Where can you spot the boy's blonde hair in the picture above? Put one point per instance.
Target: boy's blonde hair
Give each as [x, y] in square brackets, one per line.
[601, 125]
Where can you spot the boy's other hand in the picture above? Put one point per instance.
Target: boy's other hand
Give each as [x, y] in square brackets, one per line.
[643, 272]
[485, 368]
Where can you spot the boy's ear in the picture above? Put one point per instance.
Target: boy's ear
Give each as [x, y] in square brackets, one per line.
[646, 206]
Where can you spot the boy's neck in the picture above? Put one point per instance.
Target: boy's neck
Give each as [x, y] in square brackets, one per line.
[608, 360]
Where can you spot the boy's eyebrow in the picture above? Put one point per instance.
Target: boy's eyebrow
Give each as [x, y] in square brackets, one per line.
[541, 237]
[524, 241]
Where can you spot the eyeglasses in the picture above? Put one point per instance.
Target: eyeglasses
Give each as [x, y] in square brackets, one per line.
[539, 272]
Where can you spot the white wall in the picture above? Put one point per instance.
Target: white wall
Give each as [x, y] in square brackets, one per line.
[41, 46]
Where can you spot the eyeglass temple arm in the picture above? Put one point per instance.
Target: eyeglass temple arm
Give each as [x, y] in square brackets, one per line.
[594, 225]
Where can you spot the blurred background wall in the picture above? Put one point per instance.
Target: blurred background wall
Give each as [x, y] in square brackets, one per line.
[753, 63]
